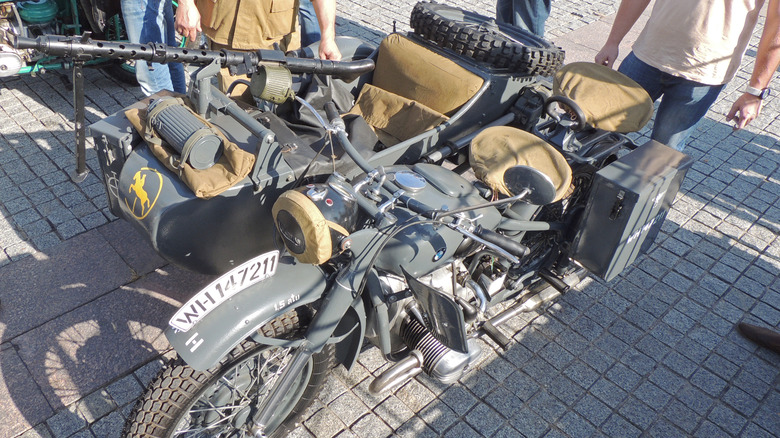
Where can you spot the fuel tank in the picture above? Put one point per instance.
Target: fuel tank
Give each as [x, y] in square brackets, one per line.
[423, 247]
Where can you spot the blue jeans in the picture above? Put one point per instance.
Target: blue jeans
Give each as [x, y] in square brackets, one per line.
[526, 14]
[684, 102]
[148, 21]
[310, 27]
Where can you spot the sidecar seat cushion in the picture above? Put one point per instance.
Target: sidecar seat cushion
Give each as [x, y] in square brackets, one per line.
[410, 70]
[610, 100]
[394, 118]
[498, 148]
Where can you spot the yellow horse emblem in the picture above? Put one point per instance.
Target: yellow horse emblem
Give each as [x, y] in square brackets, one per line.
[142, 203]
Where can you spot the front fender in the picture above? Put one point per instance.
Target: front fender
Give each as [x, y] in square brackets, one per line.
[211, 338]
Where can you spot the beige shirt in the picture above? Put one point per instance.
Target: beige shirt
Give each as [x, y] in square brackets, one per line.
[699, 40]
[250, 24]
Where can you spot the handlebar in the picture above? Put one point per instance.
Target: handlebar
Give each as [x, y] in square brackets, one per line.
[84, 48]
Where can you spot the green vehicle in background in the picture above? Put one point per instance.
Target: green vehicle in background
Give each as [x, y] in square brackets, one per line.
[61, 17]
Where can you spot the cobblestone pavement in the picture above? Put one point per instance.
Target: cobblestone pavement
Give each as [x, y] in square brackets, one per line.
[651, 353]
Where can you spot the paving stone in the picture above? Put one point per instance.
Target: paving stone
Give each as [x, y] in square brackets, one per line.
[727, 419]
[148, 372]
[638, 413]
[109, 426]
[522, 385]
[651, 394]
[371, 426]
[95, 405]
[125, 390]
[325, 423]
[460, 430]
[93, 255]
[617, 426]
[438, 416]
[22, 404]
[415, 395]
[529, 423]
[66, 422]
[547, 406]
[40, 431]
[394, 412]
[458, 398]
[505, 402]
[348, 408]
[708, 382]
[415, 428]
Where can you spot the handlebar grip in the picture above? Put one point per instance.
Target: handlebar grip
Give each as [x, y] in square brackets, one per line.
[418, 207]
[345, 70]
[509, 245]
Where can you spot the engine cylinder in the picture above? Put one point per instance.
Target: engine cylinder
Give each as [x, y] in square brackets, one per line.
[439, 361]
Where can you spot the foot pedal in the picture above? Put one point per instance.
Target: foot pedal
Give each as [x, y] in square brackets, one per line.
[495, 334]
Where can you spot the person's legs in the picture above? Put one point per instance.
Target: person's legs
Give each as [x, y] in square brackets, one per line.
[136, 15]
[310, 27]
[684, 103]
[530, 15]
[176, 69]
[646, 76]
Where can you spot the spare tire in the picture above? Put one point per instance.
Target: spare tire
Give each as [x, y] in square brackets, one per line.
[479, 37]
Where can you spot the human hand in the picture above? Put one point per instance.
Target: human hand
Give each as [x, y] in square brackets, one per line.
[744, 110]
[607, 55]
[187, 21]
[329, 50]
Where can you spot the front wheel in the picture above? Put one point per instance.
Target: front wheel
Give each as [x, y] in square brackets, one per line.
[221, 401]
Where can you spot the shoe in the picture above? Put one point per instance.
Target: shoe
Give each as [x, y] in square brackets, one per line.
[761, 336]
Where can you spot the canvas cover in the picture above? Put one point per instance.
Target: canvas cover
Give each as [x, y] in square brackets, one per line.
[406, 68]
[610, 100]
[498, 148]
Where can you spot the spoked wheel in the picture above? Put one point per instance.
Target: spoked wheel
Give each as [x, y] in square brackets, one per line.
[221, 401]
[479, 37]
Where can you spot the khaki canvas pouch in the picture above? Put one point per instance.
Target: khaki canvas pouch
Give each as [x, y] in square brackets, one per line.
[233, 166]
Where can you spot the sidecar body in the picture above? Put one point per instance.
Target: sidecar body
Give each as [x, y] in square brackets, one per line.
[213, 235]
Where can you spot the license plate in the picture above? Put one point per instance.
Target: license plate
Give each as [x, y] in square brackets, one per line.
[221, 289]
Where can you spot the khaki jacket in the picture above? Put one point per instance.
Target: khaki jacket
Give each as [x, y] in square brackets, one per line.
[251, 24]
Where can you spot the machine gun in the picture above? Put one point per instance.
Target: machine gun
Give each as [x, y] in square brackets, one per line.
[81, 49]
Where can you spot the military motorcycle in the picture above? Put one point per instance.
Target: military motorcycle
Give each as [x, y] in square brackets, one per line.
[371, 200]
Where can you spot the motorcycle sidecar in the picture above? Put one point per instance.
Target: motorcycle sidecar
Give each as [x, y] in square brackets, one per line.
[213, 235]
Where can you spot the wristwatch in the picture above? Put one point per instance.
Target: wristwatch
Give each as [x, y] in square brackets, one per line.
[758, 92]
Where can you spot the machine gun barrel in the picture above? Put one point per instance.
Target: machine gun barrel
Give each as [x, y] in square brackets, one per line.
[84, 48]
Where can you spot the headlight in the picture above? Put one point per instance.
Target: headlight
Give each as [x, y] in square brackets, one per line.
[313, 220]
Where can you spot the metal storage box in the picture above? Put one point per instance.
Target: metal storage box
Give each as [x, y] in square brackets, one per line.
[627, 204]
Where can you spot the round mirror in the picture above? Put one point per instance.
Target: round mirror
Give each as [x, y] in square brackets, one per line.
[539, 187]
